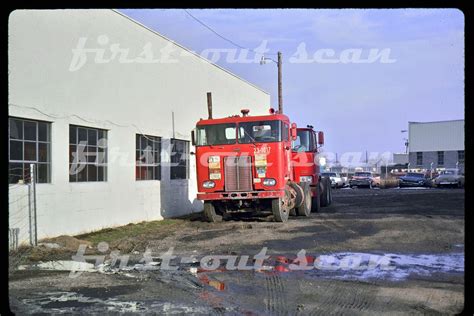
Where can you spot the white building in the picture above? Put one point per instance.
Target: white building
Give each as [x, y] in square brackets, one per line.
[60, 95]
[400, 158]
[436, 145]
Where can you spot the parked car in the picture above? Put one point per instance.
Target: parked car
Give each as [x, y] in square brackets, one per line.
[414, 179]
[361, 179]
[336, 180]
[376, 180]
[449, 177]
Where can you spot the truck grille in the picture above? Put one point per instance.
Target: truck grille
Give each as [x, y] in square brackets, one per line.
[238, 173]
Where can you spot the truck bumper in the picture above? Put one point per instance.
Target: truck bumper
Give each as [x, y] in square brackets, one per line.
[240, 195]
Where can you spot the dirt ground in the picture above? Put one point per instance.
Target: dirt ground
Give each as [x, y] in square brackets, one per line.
[419, 231]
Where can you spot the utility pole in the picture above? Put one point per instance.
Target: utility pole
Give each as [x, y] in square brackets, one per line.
[280, 97]
[406, 140]
[279, 65]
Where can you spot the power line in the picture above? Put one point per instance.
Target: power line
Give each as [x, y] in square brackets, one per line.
[221, 36]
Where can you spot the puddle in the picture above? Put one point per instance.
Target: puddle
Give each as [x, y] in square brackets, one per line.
[390, 267]
[72, 302]
[343, 265]
[227, 291]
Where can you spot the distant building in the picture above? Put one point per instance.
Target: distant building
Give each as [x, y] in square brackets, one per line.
[436, 145]
[400, 159]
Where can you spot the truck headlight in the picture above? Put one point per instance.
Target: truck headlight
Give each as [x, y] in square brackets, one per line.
[306, 179]
[269, 182]
[208, 184]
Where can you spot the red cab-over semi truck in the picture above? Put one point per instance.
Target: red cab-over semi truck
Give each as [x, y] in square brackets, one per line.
[248, 162]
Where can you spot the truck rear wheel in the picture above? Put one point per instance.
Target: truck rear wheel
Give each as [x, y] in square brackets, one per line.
[316, 200]
[210, 213]
[326, 196]
[305, 208]
[279, 210]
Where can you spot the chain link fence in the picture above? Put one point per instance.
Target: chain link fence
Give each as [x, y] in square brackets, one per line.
[22, 232]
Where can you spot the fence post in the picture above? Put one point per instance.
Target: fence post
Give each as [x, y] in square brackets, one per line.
[33, 185]
[30, 213]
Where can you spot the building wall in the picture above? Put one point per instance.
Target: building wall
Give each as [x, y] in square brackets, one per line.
[431, 137]
[400, 158]
[450, 160]
[125, 98]
[436, 136]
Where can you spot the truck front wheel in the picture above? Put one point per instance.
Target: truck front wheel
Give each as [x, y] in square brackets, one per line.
[280, 213]
[210, 213]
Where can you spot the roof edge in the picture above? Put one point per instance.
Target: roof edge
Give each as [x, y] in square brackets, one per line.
[188, 50]
[458, 120]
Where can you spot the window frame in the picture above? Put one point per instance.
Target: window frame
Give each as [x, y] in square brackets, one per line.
[139, 153]
[440, 154]
[419, 158]
[199, 129]
[25, 164]
[173, 175]
[241, 137]
[461, 160]
[99, 148]
[312, 141]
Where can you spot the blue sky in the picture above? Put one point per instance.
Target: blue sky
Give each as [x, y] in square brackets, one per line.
[359, 106]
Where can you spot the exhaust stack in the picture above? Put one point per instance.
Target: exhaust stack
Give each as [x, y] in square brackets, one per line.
[209, 105]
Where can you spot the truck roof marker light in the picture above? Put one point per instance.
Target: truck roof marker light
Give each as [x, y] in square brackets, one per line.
[271, 111]
[245, 112]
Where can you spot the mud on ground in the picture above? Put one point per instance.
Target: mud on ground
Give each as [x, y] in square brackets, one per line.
[421, 230]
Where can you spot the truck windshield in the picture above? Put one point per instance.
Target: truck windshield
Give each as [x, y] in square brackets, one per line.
[259, 131]
[303, 142]
[218, 134]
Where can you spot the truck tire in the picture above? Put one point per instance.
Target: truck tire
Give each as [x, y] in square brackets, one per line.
[280, 214]
[210, 213]
[316, 200]
[330, 196]
[305, 208]
[299, 196]
[325, 192]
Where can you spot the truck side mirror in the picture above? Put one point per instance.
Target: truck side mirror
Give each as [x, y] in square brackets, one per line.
[320, 138]
[294, 133]
[193, 137]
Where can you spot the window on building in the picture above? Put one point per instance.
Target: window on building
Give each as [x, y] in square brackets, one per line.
[440, 158]
[419, 158]
[29, 143]
[461, 155]
[87, 154]
[179, 159]
[148, 159]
